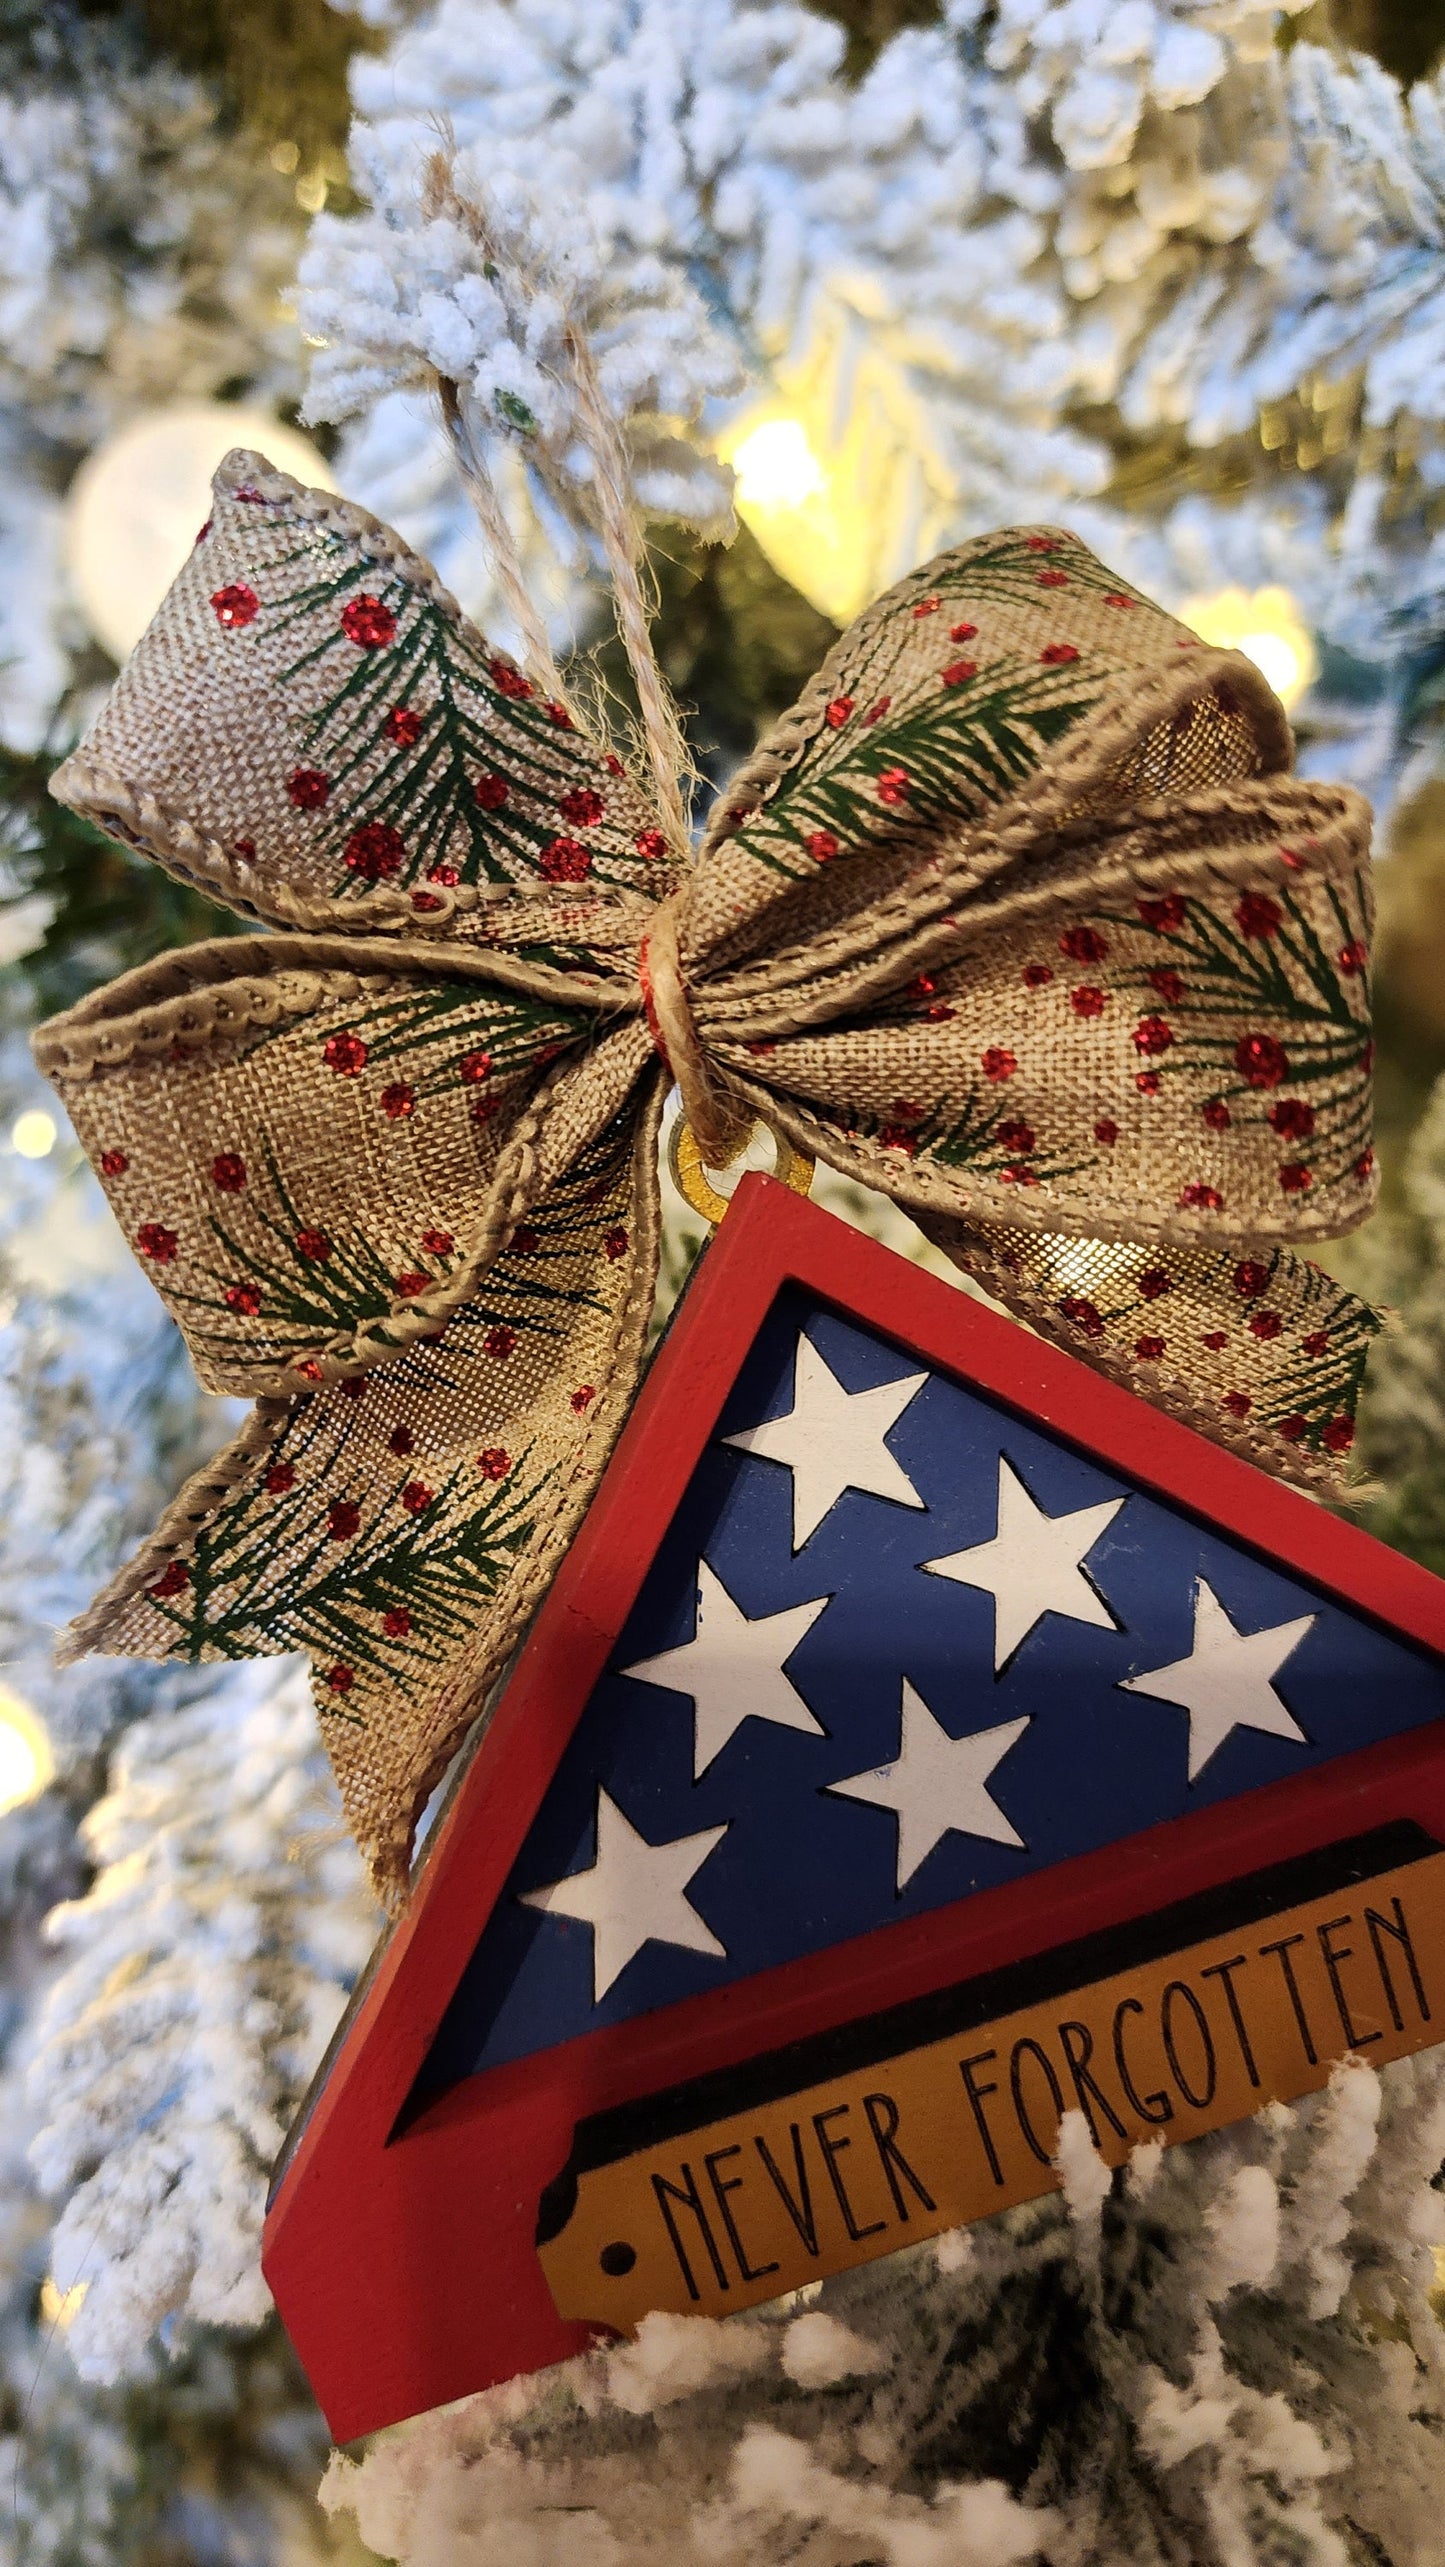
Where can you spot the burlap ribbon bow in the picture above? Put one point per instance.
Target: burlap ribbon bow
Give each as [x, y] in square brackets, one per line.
[1019, 916]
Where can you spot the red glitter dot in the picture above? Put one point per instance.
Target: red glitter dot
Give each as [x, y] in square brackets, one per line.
[510, 681]
[500, 1342]
[1086, 1000]
[1152, 1036]
[1265, 1324]
[1260, 1060]
[1257, 915]
[409, 1285]
[1165, 915]
[896, 1136]
[445, 874]
[876, 711]
[958, 672]
[367, 623]
[1083, 945]
[1168, 983]
[997, 1062]
[403, 725]
[426, 900]
[1083, 1315]
[1148, 1082]
[314, 1246]
[1216, 1114]
[341, 1678]
[245, 850]
[1058, 654]
[437, 1243]
[1237, 1402]
[1364, 1166]
[583, 1397]
[1054, 579]
[113, 1163]
[582, 808]
[397, 1623]
[475, 1066]
[401, 1439]
[228, 1173]
[613, 763]
[280, 1477]
[308, 1368]
[1353, 957]
[1106, 1133]
[836, 714]
[495, 1463]
[416, 1497]
[894, 786]
[1292, 1428]
[1295, 1178]
[235, 606]
[525, 1241]
[822, 846]
[1339, 1435]
[1149, 1349]
[1157, 1281]
[490, 792]
[1250, 1279]
[203, 531]
[1018, 1137]
[559, 717]
[244, 1298]
[1213, 1339]
[1116, 597]
[1200, 1198]
[925, 606]
[174, 1578]
[615, 1245]
[1292, 1118]
[1318, 1343]
[565, 860]
[158, 1243]
[345, 1054]
[343, 1517]
[308, 788]
[650, 843]
[962, 632]
[1037, 975]
[375, 851]
[353, 1387]
[397, 1101]
[1041, 544]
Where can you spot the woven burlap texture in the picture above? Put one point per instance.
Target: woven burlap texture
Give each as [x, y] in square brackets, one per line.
[1019, 916]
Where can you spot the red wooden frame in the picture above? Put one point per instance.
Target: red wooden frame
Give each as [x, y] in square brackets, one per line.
[404, 2267]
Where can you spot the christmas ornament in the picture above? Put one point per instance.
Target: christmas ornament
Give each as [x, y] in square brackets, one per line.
[1019, 916]
[135, 504]
[924, 1736]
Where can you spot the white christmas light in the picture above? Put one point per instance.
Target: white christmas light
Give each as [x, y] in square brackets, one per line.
[1267, 626]
[33, 1133]
[136, 503]
[776, 467]
[26, 1762]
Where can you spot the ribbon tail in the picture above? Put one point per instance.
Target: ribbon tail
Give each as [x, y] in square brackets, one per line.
[1260, 1350]
[402, 1528]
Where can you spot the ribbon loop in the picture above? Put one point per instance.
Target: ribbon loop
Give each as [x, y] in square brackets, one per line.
[718, 1124]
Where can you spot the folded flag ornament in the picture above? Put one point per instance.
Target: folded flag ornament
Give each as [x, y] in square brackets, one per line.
[922, 1738]
[1019, 916]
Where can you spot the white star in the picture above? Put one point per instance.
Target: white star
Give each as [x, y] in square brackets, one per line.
[832, 1440]
[733, 1668]
[632, 1894]
[1224, 1683]
[936, 1783]
[1032, 1565]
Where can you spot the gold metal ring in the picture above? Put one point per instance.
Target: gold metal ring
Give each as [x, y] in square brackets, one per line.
[794, 1169]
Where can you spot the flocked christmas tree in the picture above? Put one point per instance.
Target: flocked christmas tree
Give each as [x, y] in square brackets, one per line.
[1171, 273]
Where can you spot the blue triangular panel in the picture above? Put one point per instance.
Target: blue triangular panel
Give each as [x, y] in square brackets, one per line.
[798, 1867]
